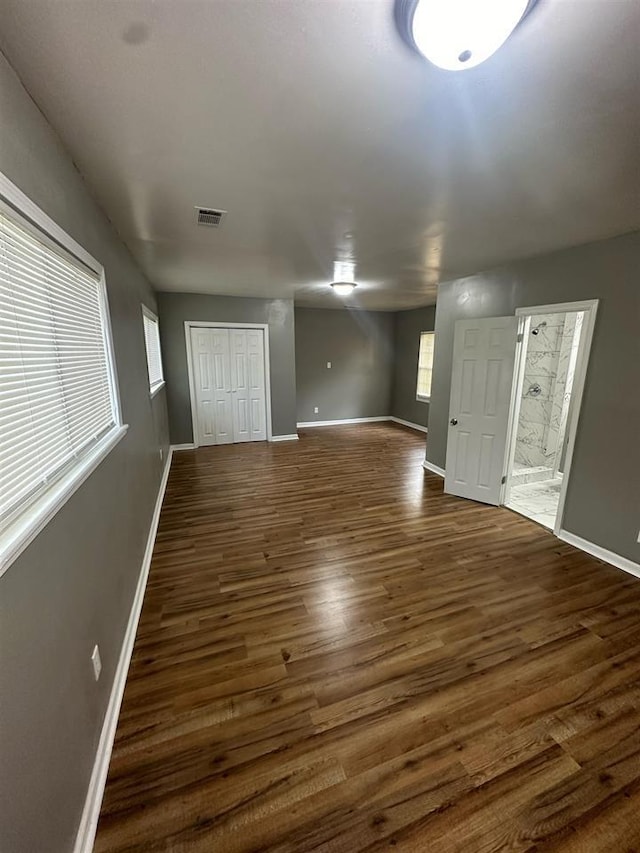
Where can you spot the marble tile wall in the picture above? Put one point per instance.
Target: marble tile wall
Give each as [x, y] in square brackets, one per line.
[567, 360]
[541, 368]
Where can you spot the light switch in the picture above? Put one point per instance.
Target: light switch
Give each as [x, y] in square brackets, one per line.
[329, 365]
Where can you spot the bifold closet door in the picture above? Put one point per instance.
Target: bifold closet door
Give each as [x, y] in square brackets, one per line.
[248, 385]
[229, 384]
[212, 380]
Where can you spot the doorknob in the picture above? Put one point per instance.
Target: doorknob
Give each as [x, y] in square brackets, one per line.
[453, 421]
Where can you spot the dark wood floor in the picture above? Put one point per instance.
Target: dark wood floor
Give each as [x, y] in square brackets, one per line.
[335, 656]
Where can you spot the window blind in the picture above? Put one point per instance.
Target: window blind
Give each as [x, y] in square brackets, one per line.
[56, 395]
[425, 364]
[152, 344]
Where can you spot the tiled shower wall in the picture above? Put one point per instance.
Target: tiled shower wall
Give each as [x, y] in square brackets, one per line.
[550, 361]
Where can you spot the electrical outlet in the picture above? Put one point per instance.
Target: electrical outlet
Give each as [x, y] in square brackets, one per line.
[97, 663]
[315, 410]
[328, 365]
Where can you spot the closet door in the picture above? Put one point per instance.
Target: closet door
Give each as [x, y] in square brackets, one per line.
[248, 385]
[212, 379]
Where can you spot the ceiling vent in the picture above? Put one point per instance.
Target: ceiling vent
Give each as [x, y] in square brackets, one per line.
[209, 216]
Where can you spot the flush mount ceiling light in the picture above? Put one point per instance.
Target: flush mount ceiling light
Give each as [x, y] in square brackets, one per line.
[459, 34]
[343, 288]
[343, 277]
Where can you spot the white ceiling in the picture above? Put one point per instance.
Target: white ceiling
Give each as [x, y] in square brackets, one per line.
[309, 120]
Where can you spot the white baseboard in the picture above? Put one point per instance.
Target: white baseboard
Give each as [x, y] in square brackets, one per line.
[91, 812]
[307, 424]
[292, 437]
[377, 419]
[183, 446]
[601, 553]
[409, 424]
[429, 466]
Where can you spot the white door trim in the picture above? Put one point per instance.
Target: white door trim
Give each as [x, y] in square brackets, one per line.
[514, 408]
[590, 309]
[205, 324]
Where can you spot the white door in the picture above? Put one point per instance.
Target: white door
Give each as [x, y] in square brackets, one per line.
[481, 385]
[212, 385]
[247, 385]
[255, 388]
[229, 383]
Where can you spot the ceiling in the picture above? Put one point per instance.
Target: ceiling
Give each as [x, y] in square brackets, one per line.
[325, 137]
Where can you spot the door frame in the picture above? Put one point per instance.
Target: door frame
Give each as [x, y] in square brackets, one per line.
[590, 308]
[210, 324]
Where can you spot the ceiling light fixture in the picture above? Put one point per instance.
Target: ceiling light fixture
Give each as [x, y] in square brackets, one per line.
[343, 277]
[459, 34]
[343, 288]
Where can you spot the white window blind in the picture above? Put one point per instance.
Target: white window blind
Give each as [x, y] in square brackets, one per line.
[425, 365]
[56, 385]
[152, 344]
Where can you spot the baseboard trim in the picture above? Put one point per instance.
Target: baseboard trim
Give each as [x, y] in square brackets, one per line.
[183, 446]
[307, 424]
[429, 466]
[91, 812]
[409, 424]
[291, 437]
[601, 553]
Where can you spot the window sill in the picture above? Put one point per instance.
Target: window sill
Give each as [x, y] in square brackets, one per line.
[24, 530]
[154, 391]
[422, 399]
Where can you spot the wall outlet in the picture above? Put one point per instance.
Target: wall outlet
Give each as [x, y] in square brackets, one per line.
[97, 663]
[328, 365]
[315, 410]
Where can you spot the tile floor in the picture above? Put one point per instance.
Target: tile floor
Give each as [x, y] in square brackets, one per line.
[538, 501]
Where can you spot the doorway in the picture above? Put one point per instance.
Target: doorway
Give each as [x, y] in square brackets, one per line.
[228, 367]
[516, 390]
[554, 349]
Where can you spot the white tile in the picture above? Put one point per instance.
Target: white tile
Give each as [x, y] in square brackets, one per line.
[529, 456]
[546, 519]
[530, 433]
[548, 339]
[535, 410]
[545, 383]
[542, 363]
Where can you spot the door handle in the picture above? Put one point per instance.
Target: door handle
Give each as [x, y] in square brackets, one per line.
[453, 421]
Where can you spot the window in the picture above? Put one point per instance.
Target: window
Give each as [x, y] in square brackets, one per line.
[58, 399]
[425, 366]
[152, 344]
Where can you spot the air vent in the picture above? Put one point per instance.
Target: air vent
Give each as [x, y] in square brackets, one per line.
[209, 216]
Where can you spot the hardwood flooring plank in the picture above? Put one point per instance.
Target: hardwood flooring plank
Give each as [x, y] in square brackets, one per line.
[334, 655]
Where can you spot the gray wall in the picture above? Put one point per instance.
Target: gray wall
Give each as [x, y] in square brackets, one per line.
[359, 345]
[603, 499]
[408, 325]
[74, 585]
[175, 308]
